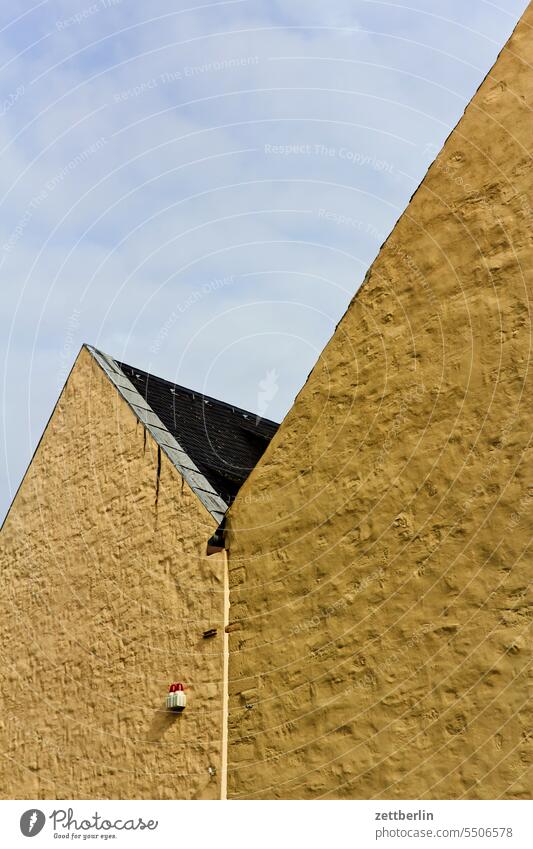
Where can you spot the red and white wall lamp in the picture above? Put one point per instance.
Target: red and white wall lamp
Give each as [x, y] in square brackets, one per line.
[176, 698]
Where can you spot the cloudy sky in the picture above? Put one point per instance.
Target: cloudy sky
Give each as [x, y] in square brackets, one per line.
[197, 188]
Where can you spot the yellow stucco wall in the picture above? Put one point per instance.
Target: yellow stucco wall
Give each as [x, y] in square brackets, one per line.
[379, 551]
[105, 590]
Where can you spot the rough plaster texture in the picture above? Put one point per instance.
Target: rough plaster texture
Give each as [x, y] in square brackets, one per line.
[105, 591]
[378, 553]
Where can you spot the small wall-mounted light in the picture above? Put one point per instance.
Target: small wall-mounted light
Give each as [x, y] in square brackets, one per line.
[176, 698]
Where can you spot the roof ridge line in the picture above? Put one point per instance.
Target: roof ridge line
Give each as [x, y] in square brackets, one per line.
[199, 484]
[197, 392]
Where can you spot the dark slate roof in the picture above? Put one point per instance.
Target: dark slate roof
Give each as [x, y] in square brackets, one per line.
[224, 441]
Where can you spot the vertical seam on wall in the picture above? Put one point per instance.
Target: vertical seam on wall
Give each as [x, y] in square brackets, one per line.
[225, 686]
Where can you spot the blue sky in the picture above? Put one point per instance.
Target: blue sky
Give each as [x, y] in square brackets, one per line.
[199, 190]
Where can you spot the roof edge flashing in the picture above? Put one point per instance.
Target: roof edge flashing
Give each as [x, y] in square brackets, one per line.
[199, 484]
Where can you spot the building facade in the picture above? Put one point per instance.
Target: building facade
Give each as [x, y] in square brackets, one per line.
[348, 608]
[108, 594]
[379, 601]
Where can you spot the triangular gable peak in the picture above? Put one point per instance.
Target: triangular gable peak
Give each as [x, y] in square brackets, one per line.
[213, 445]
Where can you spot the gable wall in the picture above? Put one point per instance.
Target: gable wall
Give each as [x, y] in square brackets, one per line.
[379, 550]
[105, 591]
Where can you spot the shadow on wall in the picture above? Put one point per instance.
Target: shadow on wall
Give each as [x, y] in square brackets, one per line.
[163, 719]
